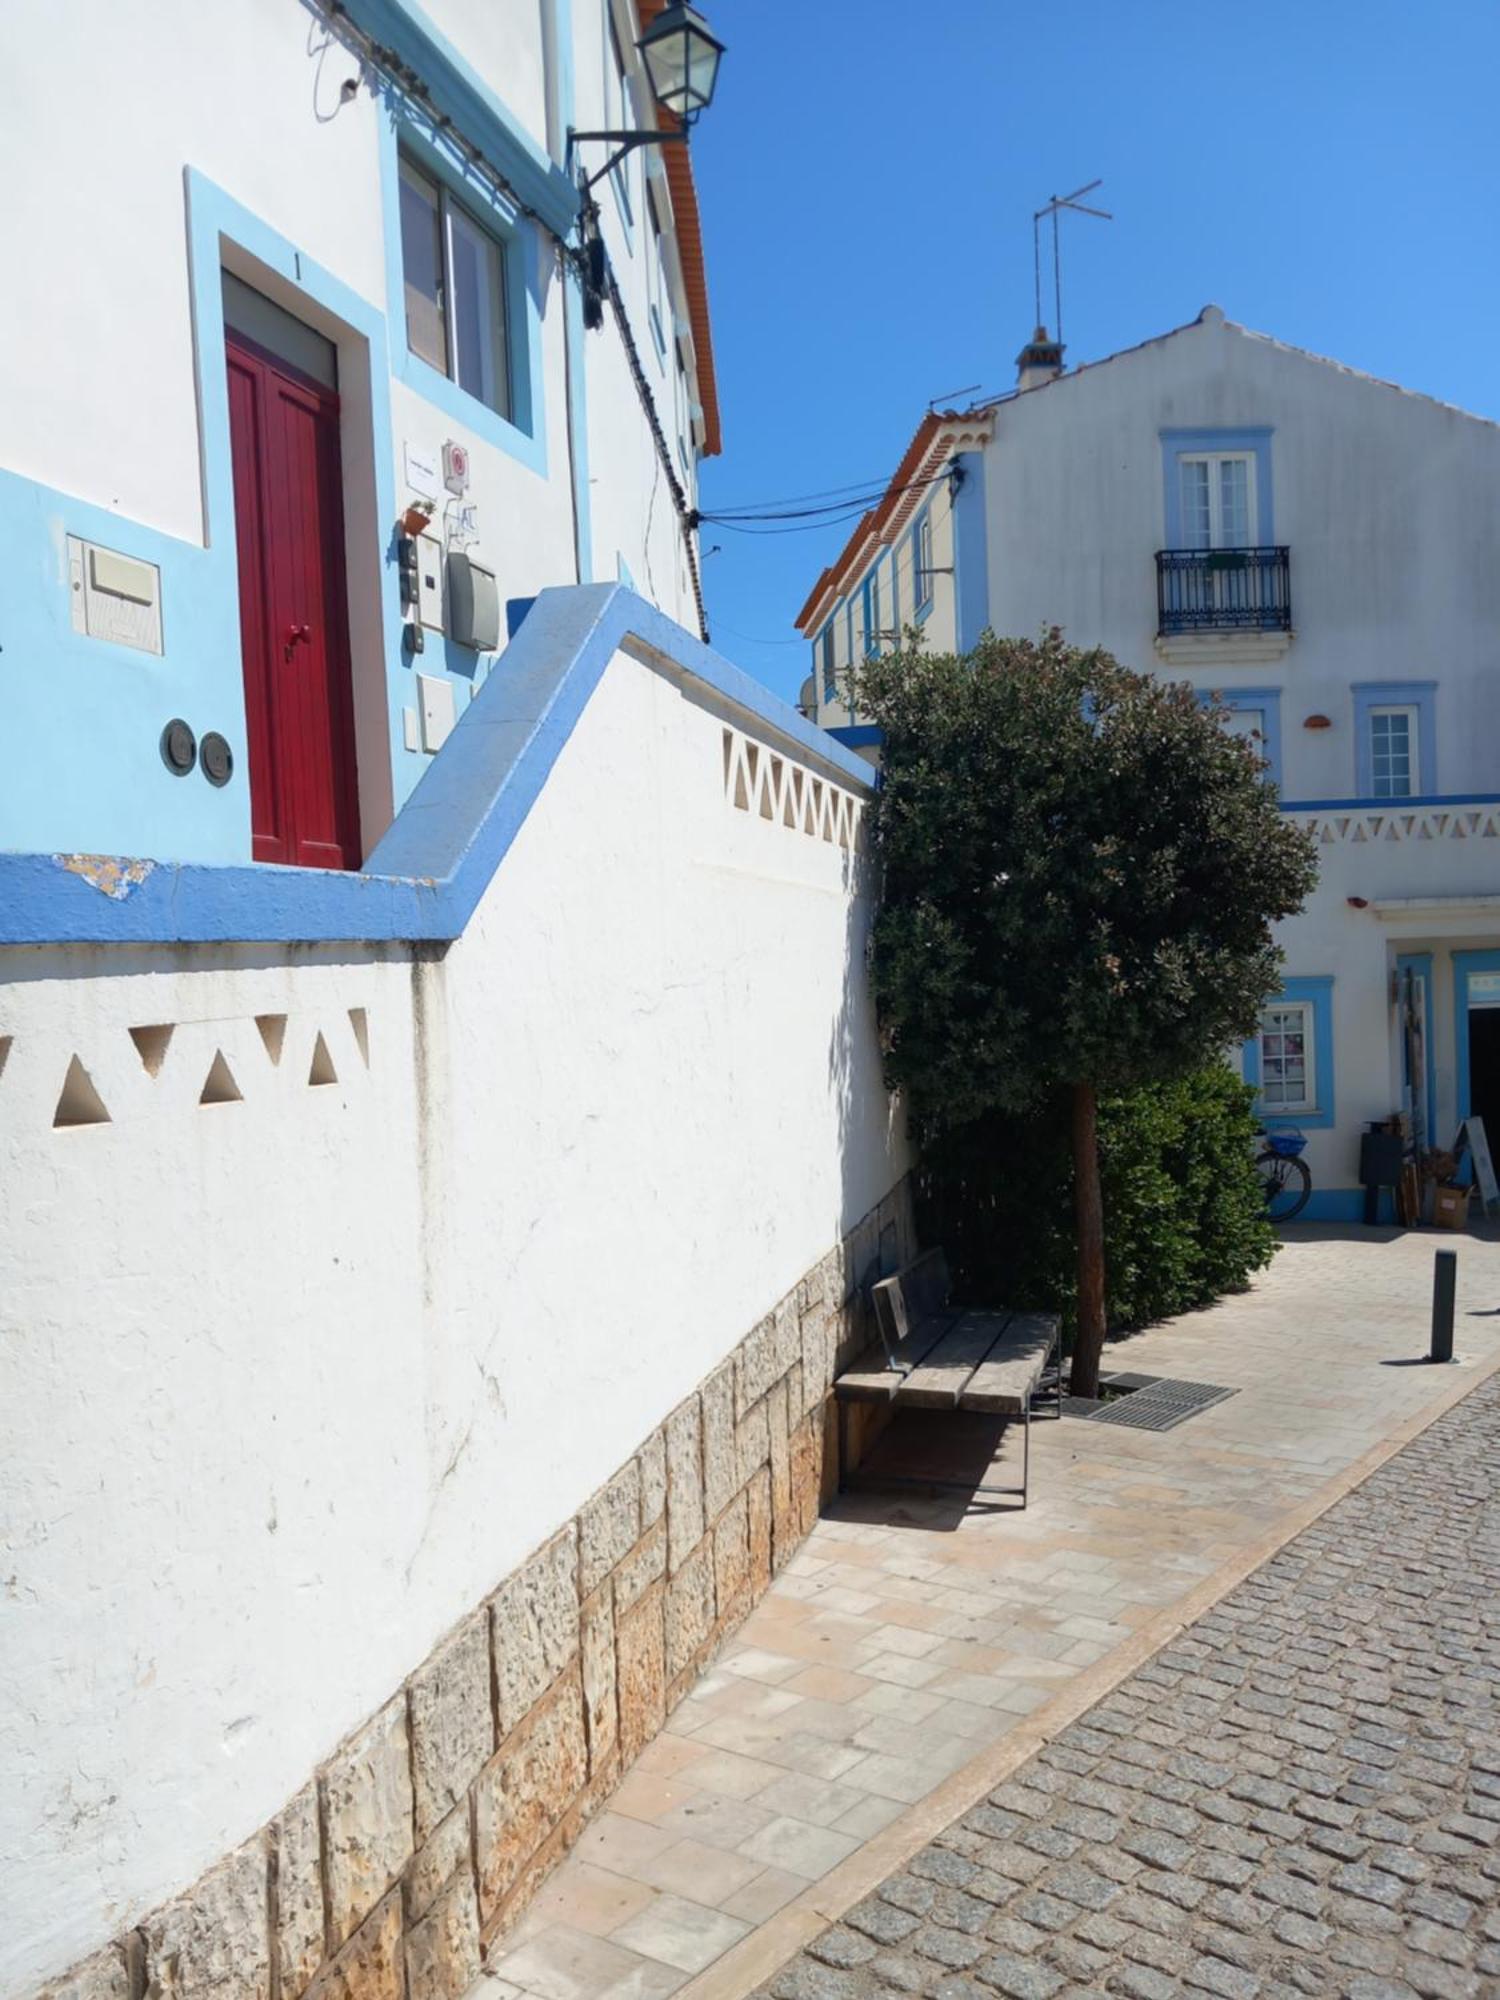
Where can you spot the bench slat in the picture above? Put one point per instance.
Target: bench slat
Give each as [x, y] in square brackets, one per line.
[946, 1372]
[874, 1380]
[1010, 1374]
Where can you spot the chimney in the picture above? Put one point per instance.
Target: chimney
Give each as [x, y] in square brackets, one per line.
[1039, 361]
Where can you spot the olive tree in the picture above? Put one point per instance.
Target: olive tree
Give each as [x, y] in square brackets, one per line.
[1080, 868]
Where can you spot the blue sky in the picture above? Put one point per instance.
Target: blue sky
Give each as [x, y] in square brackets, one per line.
[1326, 171]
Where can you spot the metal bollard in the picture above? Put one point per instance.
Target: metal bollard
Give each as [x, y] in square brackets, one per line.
[1444, 1283]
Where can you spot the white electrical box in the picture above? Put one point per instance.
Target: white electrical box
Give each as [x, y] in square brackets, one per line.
[430, 582]
[436, 699]
[114, 597]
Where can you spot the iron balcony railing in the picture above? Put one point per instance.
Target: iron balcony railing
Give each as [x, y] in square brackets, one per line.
[1223, 590]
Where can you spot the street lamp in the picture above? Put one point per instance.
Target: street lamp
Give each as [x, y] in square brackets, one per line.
[681, 55]
[682, 60]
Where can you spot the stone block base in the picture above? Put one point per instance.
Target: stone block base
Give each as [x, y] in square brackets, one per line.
[423, 1837]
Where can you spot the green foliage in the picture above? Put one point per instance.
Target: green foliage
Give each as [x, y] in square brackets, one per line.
[1080, 870]
[1184, 1220]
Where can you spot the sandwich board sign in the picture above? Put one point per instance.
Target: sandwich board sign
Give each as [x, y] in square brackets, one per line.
[1472, 1135]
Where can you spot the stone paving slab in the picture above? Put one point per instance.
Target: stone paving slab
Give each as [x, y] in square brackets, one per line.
[909, 1639]
[1299, 1796]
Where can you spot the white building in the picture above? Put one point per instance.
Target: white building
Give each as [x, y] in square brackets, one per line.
[300, 270]
[1318, 548]
[422, 1267]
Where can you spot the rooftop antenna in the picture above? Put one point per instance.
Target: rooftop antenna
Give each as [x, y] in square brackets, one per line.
[1053, 207]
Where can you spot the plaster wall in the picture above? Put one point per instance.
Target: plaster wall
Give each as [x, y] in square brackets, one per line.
[294, 1379]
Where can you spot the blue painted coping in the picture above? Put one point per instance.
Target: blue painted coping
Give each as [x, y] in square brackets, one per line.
[426, 877]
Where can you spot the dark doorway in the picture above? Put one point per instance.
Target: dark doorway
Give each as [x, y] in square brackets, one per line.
[1484, 1069]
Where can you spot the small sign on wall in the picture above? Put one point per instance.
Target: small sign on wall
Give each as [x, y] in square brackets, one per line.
[422, 472]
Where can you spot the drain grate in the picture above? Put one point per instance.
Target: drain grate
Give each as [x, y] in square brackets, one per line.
[1153, 1403]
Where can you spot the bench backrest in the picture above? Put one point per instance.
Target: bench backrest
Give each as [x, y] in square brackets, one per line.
[904, 1301]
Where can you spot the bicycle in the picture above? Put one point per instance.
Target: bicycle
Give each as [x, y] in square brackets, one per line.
[1286, 1183]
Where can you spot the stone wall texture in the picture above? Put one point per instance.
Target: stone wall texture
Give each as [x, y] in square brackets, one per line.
[421, 1839]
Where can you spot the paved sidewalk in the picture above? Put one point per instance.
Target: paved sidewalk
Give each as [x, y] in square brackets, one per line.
[1299, 1796]
[851, 1716]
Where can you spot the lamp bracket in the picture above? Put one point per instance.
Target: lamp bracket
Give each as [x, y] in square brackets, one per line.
[623, 142]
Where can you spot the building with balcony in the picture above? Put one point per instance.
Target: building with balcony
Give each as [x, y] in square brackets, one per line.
[1316, 548]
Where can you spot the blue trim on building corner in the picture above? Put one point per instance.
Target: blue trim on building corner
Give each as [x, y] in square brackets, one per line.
[1420, 695]
[854, 734]
[1253, 438]
[425, 879]
[478, 113]
[970, 553]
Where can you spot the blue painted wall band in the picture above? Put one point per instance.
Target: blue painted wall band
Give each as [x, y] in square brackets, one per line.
[426, 877]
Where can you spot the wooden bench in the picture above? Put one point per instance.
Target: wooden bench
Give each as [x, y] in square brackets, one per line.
[933, 1356]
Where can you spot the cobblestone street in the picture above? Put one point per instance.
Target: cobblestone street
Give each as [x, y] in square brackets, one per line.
[1299, 1796]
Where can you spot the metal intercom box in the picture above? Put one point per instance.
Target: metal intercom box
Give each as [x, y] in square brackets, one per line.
[114, 596]
[473, 604]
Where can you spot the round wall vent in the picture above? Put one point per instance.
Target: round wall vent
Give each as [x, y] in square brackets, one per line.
[179, 748]
[216, 758]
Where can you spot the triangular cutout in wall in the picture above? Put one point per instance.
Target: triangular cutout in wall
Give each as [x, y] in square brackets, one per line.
[80, 1103]
[5, 1042]
[151, 1045]
[359, 1021]
[272, 1033]
[219, 1086]
[322, 1070]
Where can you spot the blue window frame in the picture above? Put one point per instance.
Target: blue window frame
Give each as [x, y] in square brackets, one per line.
[426, 154]
[1290, 1061]
[1255, 714]
[1217, 446]
[826, 656]
[1395, 739]
[870, 598]
[921, 563]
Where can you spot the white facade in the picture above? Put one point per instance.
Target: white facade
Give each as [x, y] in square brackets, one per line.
[267, 140]
[1372, 692]
[293, 1377]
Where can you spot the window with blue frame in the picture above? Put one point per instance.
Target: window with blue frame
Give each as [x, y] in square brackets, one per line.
[871, 602]
[1290, 1061]
[1255, 716]
[830, 671]
[1395, 747]
[921, 563]
[454, 282]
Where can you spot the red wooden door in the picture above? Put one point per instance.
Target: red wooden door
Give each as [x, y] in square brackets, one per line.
[294, 626]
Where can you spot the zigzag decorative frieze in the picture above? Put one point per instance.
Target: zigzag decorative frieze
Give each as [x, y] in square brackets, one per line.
[762, 782]
[1360, 827]
[181, 1066]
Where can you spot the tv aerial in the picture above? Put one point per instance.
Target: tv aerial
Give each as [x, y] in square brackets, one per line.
[1054, 207]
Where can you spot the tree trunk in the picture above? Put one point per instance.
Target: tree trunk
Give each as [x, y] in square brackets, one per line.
[1088, 1343]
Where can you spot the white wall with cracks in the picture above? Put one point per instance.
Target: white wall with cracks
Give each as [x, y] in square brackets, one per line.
[335, 1278]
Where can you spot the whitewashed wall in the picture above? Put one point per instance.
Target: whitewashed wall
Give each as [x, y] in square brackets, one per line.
[293, 1380]
[1388, 501]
